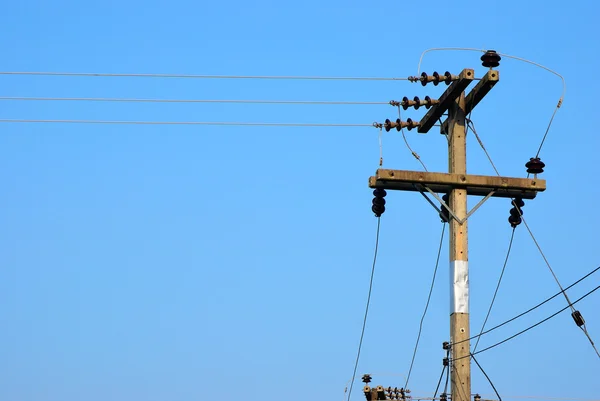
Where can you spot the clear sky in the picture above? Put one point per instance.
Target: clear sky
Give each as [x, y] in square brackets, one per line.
[163, 263]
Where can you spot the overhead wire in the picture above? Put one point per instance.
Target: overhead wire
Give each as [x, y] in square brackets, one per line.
[487, 377]
[583, 326]
[445, 369]
[512, 237]
[472, 126]
[530, 327]
[364, 324]
[241, 101]
[233, 123]
[437, 263]
[415, 154]
[195, 76]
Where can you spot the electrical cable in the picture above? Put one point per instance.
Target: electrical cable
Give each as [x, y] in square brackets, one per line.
[530, 327]
[444, 369]
[364, 325]
[184, 123]
[415, 154]
[472, 126]
[242, 101]
[547, 263]
[150, 75]
[512, 237]
[530, 309]
[437, 262]
[487, 377]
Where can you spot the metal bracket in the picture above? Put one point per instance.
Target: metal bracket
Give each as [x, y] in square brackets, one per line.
[454, 216]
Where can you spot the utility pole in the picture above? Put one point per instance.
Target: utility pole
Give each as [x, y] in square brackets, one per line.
[455, 186]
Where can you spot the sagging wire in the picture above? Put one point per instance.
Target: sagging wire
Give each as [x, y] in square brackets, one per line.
[415, 154]
[487, 377]
[472, 126]
[437, 262]
[497, 288]
[364, 325]
[445, 369]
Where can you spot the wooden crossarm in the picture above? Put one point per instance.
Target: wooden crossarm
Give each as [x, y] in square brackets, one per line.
[481, 185]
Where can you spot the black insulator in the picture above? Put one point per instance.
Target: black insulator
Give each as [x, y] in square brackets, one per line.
[518, 202]
[417, 102]
[379, 192]
[378, 202]
[445, 214]
[448, 79]
[579, 321]
[424, 79]
[491, 59]
[446, 361]
[436, 77]
[398, 124]
[443, 397]
[405, 103]
[446, 345]
[477, 397]
[514, 220]
[366, 378]
[535, 166]
[410, 123]
[516, 212]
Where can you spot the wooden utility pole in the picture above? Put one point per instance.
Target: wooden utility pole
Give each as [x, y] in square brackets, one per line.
[459, 261]
[457, 184]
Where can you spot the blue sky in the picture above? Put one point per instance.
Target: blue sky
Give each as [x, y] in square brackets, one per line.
[193, 262]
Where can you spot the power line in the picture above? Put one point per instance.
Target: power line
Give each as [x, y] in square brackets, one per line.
[437, 262]
[364, 325]
[262, 124]
[472, 126]
[530, 327]
[445, 369]
[243, 101]
[530, 309]
[193, 76]
[487, 377]
[415, 154]
[512, 237]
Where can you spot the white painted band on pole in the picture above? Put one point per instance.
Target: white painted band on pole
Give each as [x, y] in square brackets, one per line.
[459, 286]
